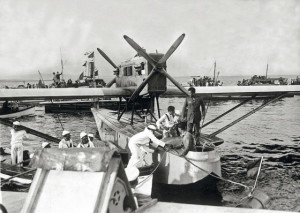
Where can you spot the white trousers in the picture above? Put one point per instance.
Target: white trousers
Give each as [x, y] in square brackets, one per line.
[135, 154]
[16, 153]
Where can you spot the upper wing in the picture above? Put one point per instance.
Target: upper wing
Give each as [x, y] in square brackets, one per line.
[62, 93]
[238, 90]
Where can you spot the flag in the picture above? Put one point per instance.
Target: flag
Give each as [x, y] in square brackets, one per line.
[81, 76]
[84, 64]
[96, 73]
[88, 53]
[91, 55]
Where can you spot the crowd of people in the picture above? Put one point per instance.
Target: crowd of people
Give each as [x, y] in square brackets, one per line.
[258, 79]
[204, 82]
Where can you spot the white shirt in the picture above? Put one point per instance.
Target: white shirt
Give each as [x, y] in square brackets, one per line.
[168, 119]
[144, 137]
[87, 145]
[65, 144]
[18, 136]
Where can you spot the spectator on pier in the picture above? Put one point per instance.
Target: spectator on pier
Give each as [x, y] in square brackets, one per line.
[139, 143]
[66, 142]
[17, 137]
[85, 143]
[168, 123]
[193, 110]
[58, 77]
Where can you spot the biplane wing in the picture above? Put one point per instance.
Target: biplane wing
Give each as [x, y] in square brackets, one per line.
[238, 90]
[63, 93]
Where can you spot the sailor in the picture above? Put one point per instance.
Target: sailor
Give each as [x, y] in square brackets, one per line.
[193, 109]
[168, 122]
[17, 137]
[139, 141]
[85, 143]
[66, 142]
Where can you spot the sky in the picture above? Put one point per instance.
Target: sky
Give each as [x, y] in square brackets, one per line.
[242, 36]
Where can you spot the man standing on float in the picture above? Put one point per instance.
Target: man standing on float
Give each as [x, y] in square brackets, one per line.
[193, 110]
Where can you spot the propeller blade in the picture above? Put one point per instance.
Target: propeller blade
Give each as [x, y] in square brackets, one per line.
[107, 58]
[163, 71]
[140, 50]
[172, 49]
[142, 85]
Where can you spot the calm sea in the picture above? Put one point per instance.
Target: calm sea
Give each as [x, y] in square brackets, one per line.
[273, 132]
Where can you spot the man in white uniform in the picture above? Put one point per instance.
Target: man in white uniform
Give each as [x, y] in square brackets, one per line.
[168, 123]
[141, 140]
[66, 142]
[17, 137]
[85, 142]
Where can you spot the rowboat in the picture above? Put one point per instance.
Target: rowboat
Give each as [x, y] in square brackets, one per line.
[23, 111]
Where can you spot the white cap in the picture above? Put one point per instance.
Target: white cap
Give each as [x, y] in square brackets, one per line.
[82, 134]
[132, 173]
[65, 133]
[44, 144]
[91, 135]
[16, 123]
[177, 112]
[152, 127]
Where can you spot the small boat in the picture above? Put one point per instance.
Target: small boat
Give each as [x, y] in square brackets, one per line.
[22, 111]
[262, 81]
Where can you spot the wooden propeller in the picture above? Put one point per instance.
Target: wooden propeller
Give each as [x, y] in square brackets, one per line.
[157, 66]
[107, 58]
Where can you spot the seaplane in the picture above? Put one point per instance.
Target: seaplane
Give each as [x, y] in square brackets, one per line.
[176, 179]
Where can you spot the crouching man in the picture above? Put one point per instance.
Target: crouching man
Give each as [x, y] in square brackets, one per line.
[141, 140]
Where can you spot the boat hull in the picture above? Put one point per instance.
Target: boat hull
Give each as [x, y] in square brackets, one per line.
[204, 191]
[24, 112]
[177, 170]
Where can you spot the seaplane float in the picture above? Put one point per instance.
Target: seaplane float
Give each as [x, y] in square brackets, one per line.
[176, 178]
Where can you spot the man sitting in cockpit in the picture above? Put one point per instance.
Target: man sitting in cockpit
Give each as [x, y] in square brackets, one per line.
[168, 122]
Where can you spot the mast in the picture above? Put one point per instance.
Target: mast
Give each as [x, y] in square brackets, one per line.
[41, 77]
[267, 70]
[215, 73]
[62, 65]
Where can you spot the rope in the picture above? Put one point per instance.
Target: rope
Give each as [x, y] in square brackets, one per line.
[250, 195]
[138, 185]
[208, 173]
[58, 117]
[215, 176]
[259, 169]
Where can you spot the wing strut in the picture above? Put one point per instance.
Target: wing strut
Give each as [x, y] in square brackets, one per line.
[225, 113]
[248, 114]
